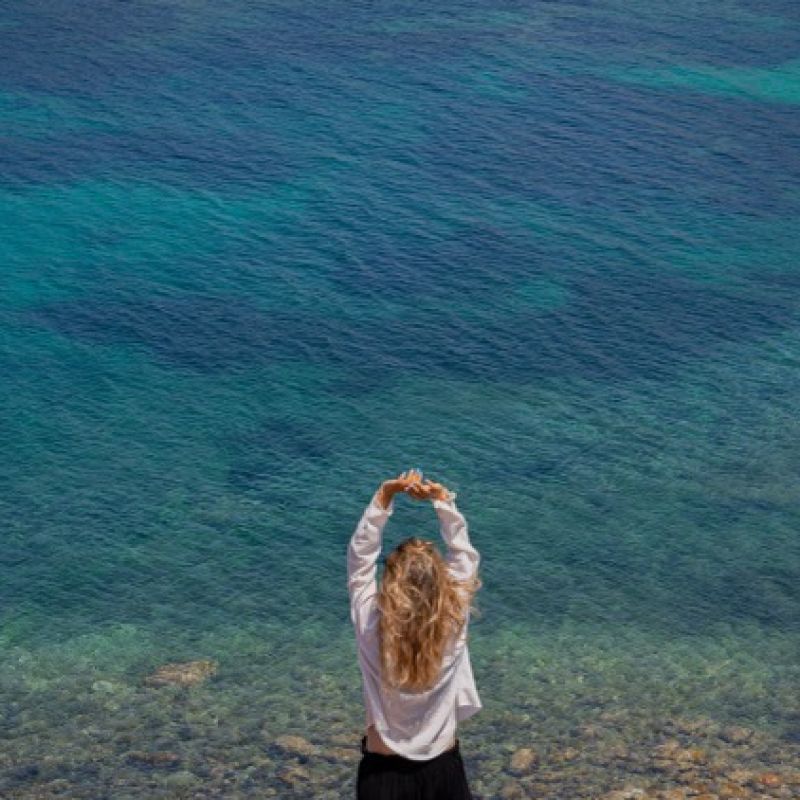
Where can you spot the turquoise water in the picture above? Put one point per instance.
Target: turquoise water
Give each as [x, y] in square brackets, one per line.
[258, 258]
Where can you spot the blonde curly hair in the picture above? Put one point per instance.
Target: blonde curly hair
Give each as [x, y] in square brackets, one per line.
[423, 607]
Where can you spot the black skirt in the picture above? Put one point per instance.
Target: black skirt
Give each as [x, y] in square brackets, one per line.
[394, 777]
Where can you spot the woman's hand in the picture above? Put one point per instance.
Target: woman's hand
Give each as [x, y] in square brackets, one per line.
[428, 490]
[403, 483]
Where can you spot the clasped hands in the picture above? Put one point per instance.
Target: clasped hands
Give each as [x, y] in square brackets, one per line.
[411, 483]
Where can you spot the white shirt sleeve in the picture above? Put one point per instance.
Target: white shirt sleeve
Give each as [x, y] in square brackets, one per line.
[362, 556]
[462, 558]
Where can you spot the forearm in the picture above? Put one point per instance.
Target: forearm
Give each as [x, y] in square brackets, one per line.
[385, 494]
[462, 558]
[365, 546]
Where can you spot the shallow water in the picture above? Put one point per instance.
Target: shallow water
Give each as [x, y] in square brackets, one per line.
[258, 259]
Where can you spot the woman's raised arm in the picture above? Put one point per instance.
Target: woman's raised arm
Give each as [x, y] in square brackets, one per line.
[462, 558]
[365, 545]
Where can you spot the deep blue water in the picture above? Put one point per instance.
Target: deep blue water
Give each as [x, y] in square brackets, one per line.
[259, 257]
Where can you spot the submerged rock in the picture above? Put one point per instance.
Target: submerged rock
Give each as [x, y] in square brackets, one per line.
[296, 745]
[347, 739]
[182, 779]
[185, 673]
[626, 793]
[567, 754]
[294, 775]
[524, 760]
[699, 788]
[700, 726]
[736, 734]
[671, 755]
[740, 775]
[769, 779]
[346, 754]
[728, 790]
[676, 793]
[512, 791]
[25, 772]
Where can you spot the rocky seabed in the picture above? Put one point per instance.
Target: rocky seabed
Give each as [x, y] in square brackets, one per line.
[162, 738]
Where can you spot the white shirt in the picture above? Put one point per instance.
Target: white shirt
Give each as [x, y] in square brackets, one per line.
[417, 725]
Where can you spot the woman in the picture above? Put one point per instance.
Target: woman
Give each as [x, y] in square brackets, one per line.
[412, 649]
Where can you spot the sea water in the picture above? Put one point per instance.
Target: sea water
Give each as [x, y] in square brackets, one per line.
[259, 257]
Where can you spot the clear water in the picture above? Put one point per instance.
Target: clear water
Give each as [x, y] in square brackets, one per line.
[259, 257]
